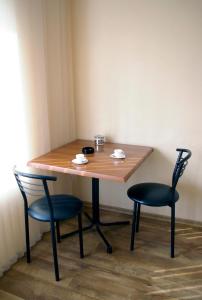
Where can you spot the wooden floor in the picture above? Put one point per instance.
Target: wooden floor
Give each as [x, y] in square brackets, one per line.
[147, 273]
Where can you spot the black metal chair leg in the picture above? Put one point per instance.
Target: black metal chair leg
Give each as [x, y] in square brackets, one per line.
[133, 227]
[54, 247]
[138, 217]
[80, 235]
[58, 231]
[27, 237]
[172, 250]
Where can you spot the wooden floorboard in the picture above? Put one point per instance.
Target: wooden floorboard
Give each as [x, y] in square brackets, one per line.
[146, 273]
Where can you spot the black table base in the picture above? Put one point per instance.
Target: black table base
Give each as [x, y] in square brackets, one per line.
[95, 219]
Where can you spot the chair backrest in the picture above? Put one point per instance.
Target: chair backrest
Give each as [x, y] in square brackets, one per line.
[35, 186]
[181, 163]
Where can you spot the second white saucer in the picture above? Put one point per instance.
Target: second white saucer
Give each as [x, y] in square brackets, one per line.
[75, 161]
[121, 156]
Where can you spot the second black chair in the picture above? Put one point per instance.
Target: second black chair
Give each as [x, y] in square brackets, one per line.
[157, 194]
[48, 208]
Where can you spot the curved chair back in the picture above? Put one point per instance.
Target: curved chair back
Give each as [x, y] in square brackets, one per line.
[180, 165]
[36, 187]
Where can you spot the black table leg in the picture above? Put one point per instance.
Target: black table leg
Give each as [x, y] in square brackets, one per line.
[109, 247]
[63, 236]
[96, 212]
[88, 217]
[95, 219]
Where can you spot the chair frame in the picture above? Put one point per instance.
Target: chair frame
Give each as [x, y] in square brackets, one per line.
[179, 168]
[30, 191]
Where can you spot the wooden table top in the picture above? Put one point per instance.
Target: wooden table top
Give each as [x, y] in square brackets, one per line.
[100, 164]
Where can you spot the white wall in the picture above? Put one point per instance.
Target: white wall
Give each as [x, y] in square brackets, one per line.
[138, 80]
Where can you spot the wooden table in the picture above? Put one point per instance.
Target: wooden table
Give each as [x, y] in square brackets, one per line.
[100, 166]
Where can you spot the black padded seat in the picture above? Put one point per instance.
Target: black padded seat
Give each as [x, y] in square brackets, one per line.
[64, 207]
[153, 194]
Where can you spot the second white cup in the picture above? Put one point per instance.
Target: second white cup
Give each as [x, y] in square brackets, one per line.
[80, 157]
[118, 152]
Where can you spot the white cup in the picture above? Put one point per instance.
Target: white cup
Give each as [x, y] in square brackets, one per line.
[80, 157]
[118, 152]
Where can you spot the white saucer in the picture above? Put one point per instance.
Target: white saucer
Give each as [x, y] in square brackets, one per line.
[75, 161]
[121, 156]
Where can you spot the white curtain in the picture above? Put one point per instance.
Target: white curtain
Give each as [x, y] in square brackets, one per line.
[26, 106]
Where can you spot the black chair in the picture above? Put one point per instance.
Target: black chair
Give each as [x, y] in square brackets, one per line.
[48, 208]
[157, 194]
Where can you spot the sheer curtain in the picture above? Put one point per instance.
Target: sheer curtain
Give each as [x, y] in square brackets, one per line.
[25, 111]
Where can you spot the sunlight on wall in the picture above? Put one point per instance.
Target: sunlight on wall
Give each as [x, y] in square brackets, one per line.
[12, 115]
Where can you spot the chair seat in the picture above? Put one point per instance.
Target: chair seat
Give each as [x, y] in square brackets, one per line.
[152, 194]
[64, 207]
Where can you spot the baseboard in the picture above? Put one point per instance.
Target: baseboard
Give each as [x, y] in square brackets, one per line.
[145, 214]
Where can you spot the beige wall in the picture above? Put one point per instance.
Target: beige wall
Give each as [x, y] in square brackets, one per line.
[138, 80]
[58, 54]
